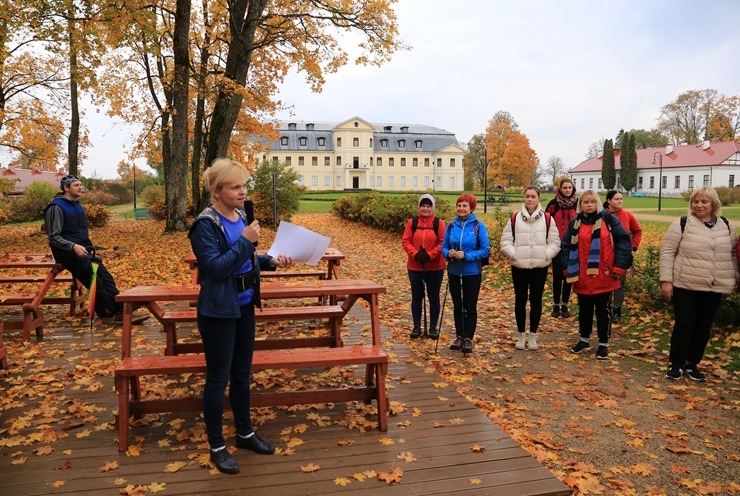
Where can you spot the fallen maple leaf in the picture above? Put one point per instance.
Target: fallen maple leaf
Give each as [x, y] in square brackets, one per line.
[108, 466]
[385, 441]
[393, 475]
[406, 456]
[345, 442]
[342, 481]
[475, 481]
[680, 469]
[311, 467]
[477, 448]
[157, 487]
[174, 467]
[58, 483]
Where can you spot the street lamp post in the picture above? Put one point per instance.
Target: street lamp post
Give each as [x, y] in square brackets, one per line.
[660, 176]
[134, 187]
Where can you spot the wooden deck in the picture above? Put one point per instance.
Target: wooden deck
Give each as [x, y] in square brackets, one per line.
[70, 413]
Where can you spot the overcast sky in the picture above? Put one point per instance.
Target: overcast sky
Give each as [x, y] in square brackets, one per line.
[570, 72]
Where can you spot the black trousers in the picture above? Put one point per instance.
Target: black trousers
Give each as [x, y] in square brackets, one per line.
[694, 313]
[560, 287]
[528, 284]
[432, 279]
[587, 305]
[81, 269]
[465, 301]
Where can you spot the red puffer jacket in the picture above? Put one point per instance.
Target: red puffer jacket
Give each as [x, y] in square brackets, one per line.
[615, 257]
[424, 236]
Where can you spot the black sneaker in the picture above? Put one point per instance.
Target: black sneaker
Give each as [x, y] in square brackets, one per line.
[692, 371]
[616, 315]
[434, 333]
[555, 311]
[580, 346]
[602, 352]
[674, 373]
[467, 346]
[415, 333]
[456, 344]
[564, 313]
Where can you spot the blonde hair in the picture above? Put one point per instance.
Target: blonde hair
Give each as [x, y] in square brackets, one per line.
[589, 192]
[711, 195]
[223, 171]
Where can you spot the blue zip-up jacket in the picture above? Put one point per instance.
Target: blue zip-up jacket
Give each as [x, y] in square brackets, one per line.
[461, 235]
[218, 264]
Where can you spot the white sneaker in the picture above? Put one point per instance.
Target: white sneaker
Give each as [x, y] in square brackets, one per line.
[521, 344]
[532, 343]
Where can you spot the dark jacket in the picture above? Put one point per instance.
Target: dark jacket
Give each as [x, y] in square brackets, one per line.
[218, 264]
[562, 217]
[66, 224]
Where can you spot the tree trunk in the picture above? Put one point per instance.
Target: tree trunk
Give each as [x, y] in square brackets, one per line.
[73, 141]
[177, 169]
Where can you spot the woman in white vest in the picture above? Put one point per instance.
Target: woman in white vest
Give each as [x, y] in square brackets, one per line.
[697, 266]
[530, 244]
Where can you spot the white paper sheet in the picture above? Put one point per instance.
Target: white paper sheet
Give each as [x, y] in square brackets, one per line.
[302, 245]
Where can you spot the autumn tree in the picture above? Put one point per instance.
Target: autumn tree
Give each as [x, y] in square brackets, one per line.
[628, 163]
[608, 172]
[554, 168]
[511, 160]
[595, 149]
[696, 115]
[475, 168]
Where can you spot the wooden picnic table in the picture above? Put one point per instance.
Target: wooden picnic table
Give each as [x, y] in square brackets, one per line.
[332, 257]
[31, 268]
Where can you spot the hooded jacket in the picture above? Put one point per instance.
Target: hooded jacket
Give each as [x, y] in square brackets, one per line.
[424, 236]
[560, 216]
[461, 235]
[534, 245]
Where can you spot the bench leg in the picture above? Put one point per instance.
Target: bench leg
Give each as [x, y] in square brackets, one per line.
[376, 372]
[122, 418]
[170, 333]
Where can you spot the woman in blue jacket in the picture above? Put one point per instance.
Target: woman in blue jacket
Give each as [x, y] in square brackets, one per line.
[228, 274]
[465, 245]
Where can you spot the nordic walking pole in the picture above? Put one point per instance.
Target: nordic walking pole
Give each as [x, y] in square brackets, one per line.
[442, 314]
[424, 297]
[462, 303]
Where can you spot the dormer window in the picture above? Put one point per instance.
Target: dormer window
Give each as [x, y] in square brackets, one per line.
[284, 141]
[321, 141]
[387, 129]
[401, 143]
[418, 143]
[302, 141]
[384, 143]
[291, 125]
[309, 127]
[404, 129]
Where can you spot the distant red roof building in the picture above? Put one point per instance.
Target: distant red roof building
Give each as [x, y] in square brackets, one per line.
[684, 167]
[24, 177]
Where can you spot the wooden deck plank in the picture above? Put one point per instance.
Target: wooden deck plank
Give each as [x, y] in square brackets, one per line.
[445, 462]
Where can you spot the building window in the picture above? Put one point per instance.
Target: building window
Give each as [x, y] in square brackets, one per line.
[583, 183]
[691, 182]
[327, 161]
[355, 142]
[403, 161]
[652, 182]
[731, 182]
[414, 181]
[403, 181]
[314, 161]
[639, 182]
[390, 182]
[301, 181]
[302, 141]
[619, 182]
[452, 183]
[391, 162]
[591, 182]
[706, 180]
[452, 162]
[415, 162]
[371, 142]
[275, 160]
[287, 160]
[339, 142]
[339, 161]
[426, 162]
[417, 144]
[677, 183]
[401, 143]
[339, 181]
[284, 141]
[379, 161]
[600, 183]
[439, 162]
[380, 181]
[664, 182]
[426, 181]
[321, 141]
[327, 180]
[314, 180]
[301, 162]
[384, 143]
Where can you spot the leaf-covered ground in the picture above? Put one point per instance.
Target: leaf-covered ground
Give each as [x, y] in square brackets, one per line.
[604, 427]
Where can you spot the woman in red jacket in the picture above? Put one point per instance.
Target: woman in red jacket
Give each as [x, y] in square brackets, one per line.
[562, 208]
[596, 251]
[613, 205]
[422, 240]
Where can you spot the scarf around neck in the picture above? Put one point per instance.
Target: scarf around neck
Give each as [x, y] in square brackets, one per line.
[565, 202]
[594, 254]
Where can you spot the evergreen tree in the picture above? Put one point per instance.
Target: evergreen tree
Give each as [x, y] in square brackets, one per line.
[629, 162]
[608, 173]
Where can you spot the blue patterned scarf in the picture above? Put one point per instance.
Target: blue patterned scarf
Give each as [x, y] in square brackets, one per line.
[594, 254]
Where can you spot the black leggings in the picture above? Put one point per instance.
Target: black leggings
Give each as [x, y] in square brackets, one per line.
[599, 303]
[530, 281]
[465, 304]
[559, 284]
[694, 313]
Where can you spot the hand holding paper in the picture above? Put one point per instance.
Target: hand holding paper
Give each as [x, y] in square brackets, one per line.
[301, 244]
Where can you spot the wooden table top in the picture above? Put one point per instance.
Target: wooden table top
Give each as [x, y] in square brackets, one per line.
[27, 260]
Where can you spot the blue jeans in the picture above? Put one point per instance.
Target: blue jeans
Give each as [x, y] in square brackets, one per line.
[228, 345]
[432, 279]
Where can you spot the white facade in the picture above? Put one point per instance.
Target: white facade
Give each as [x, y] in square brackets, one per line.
[356, 154]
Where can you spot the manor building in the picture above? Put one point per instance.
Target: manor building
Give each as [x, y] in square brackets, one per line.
[359, 155]
[670, 169]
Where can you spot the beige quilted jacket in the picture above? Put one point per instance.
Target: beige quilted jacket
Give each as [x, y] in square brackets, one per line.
[701, 259]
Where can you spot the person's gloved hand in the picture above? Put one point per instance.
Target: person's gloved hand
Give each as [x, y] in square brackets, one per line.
[422, 256]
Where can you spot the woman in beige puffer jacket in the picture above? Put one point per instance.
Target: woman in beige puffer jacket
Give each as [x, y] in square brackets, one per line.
[697, 266]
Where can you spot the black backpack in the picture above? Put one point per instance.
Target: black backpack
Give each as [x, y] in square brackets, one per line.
[415, 224]
[683, 223]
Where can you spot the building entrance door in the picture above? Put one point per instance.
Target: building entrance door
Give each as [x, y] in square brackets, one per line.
[355, 182]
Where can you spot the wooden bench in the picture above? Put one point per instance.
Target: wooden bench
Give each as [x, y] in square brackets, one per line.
[3, 349]
[32, 315]
[142, 214]
[267, 274]
[130, 401]
[170, 319]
